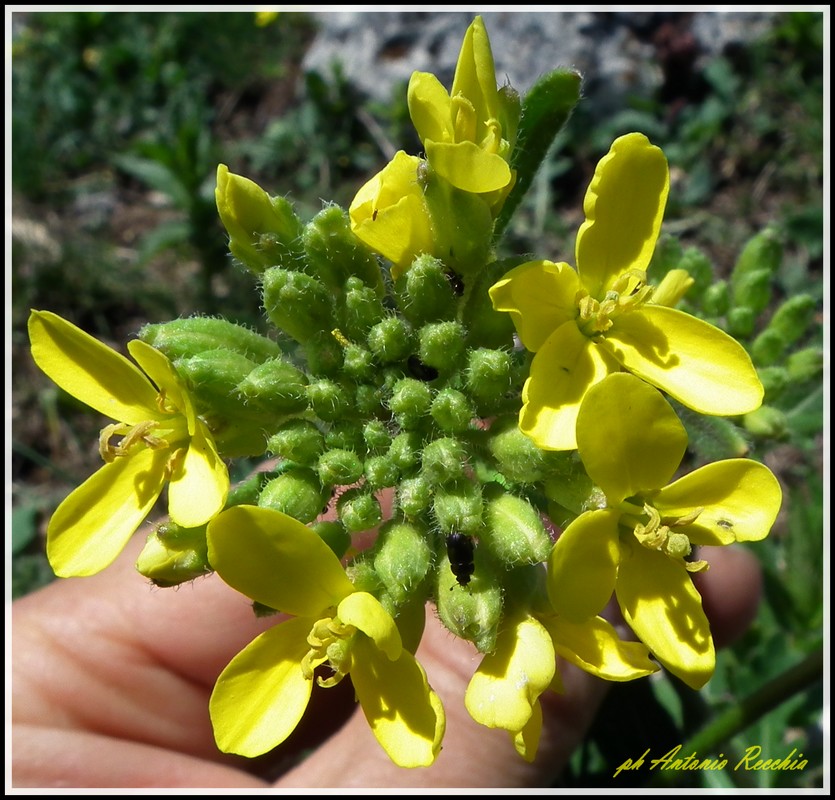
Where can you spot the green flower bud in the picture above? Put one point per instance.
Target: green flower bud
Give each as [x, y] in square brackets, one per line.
[713, 438]
[237, 438]
[369, 401]
[741, 322]
[805, 364]
[475, 611]
[339, 468]
[717, 299]
[751, 290]
[362, 310]
[297, 304]
[402, 557]
[335, 253]
[766, 421]
[762, 252]
[514, 532]
[441, 345]
[333, 534]
[485, 326]
[381, 472]
[174, 555]
[793, 318]
[263, 231]
[414, 495]
[376, 435]
[452, 411]
[297, 440]
[359, 510]
[774, 380]
[276, 386]
[443, 460]
[767, 347]
[425, 293]
[517, 457]
[297, 493]
[346, 434]
[569, 485]
[410, 401]
[183, 338]
[698, 266]
[489, 377]
[390, 340]
[358, 362]
[362, 574]
[213, 376]
[324, 353]
[458, 507]
[405, 450]
[328, 399]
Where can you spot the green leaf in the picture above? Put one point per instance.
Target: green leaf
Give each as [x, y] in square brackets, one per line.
[545, 110]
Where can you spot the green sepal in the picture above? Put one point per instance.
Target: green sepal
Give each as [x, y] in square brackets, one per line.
[275, 386]
[173, 555]
[426, 292]
[514, 533]
[441, 345]
[402, 557]
[297, 440]
[517, 457]
[443, 460]
[359, 510]
[339, 468]
[297, 493]
[458, 507]
[298, 304]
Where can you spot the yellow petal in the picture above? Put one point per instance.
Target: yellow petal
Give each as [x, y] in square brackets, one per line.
[624, 206]
[262, 693]
[366, 613]
[198, 490]
[563, 369]
[404, 714]
[583, 565]
[506, 686]
[429, 108]
[94, 523]
[466, 166]
[660, 603]
[475, 72]
[526, 741]
[161, 371]
[89, 370]
[629, 438]
[276, 560]
[740, 499]
[695, 362]
[595, 647]
[540, 296]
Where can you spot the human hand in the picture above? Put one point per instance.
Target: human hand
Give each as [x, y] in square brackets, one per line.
[112, 677]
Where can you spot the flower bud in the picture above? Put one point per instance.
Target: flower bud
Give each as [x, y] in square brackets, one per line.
[183, 338]
[475, 611]
[324, 353]
[517, 457]
[751, 290]
[452, 411]
[441, 345]
[485, 326]
[793, 318]
[410, 402]
[489, 377]
[402, 557]
[767, 348]
[376, 435]
[339, 468]
[359, 510]
[569, 485]
[774, 381]
[698, 267]
[263, 231]
[297, 304]
[276, 386]
[362, 309]
[514, 533]
[717, 299]
[346, 434]
[380, 472]
[335, 253]
[763, 251]
[297, 493]
[458, 507]
[369, 401]
[414, 495]
[443, 460]
[425, 293]
[405, 450]
[297, 440]
[213, 376]
[766, 421]
[741, 322]
[328, 399]
[805, 364]
[390, 340]
[174, 555]
[333, 534]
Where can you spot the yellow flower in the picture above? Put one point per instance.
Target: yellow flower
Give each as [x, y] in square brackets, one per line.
[390, 216]
[504, 691]
[263, 692]
[583, 325]
[631, 443]
[163, 441]
[468, 134]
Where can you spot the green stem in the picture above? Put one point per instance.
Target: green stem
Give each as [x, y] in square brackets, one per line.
[749, 710]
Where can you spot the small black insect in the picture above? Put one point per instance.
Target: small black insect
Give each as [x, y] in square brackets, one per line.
[455, 282]
[459, 549]
[421, 371]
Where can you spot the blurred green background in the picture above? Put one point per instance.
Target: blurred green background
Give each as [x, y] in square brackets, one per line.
[118, 122]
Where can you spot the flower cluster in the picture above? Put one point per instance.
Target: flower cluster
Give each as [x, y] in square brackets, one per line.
[477, 395]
